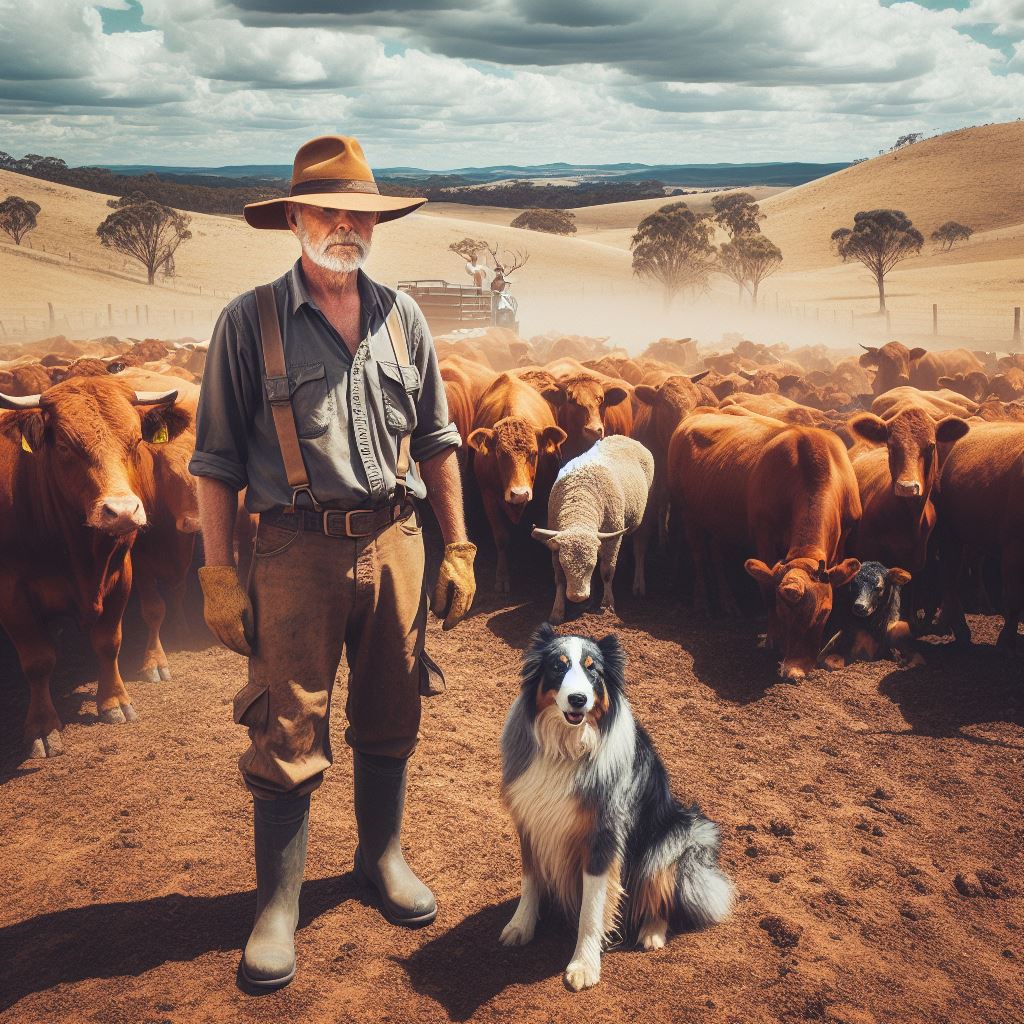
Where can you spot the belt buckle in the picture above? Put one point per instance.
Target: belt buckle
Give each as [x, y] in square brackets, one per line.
[326, 520]
[348, 522]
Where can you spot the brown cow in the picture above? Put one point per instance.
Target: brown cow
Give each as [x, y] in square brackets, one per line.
[982, 512]
[896, 480]
[589, 407]
[973, 385]
[786, 492]
[937, 404]
[896, 366]
[76, 468]
[516, 441]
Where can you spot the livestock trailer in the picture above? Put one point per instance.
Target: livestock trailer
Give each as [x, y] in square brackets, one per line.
[453, 307]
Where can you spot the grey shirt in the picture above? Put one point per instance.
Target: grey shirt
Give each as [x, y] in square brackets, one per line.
[350, 411]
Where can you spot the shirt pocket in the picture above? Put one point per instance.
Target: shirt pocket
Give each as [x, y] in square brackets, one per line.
[312, 400]
[399, 388]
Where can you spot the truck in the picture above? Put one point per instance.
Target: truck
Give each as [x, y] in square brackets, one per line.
[453, 307]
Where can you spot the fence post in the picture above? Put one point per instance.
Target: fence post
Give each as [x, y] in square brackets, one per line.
[137, 320]
[888, 322]
[1016, 325]
[110, 316]
[174, 317]
[49, 306]
[147, 312]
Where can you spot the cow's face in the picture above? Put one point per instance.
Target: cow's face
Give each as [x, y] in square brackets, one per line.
[94, 440]
[175, 485]
[516, 447]
[911, 437]
[891, 364]
[671, 400]
[800, 594]
[582, 409]
[973, 385]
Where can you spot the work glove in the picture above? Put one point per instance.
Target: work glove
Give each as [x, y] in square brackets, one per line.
[456, 584]
[226, 608]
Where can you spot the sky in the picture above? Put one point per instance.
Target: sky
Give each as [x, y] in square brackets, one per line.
[478, 82]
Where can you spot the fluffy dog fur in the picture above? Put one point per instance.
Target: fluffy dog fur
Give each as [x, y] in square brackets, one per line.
[600, 832]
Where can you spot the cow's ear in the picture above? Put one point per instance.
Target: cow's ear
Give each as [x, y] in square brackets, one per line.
[870, 427]
[646, 394]
[756, 568]
[551, 439]
[916, 353]
[26, 429]
[897, 577]
[843, 572]
[950, 429]
[163, 423]
[614, 395]
[480, 439]
[554, 396]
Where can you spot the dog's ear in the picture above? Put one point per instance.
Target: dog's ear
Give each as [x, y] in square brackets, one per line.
[614, 658]
[533, 656]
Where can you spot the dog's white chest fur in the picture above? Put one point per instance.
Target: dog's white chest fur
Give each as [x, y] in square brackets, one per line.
[549, 816]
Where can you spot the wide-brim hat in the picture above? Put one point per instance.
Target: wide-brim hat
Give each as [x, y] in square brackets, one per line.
[331, 171]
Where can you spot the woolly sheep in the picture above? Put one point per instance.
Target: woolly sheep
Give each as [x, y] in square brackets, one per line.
[598, 496]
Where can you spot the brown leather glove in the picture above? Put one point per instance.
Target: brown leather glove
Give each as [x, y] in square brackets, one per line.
[456, 584]
[226, 608]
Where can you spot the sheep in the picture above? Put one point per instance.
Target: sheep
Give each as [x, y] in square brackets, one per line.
[597, 497]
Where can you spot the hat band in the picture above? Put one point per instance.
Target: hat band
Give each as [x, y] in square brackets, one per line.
[317, 185]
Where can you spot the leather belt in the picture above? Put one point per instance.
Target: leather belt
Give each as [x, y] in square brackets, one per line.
[333, 522]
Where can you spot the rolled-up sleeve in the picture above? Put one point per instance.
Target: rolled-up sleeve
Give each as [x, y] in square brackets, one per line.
[225, 408]
[434, 430]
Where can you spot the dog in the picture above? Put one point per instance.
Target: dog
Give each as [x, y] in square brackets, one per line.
[600, 832]
[866, 617]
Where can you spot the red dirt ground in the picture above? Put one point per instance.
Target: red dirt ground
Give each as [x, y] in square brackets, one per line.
[871, 820]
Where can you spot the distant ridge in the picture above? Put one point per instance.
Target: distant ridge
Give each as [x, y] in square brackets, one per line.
[707, 175]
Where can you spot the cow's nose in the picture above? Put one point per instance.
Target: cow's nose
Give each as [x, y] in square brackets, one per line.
[519, 495]
[908, 489]
[578, 700]
[121, 513]
[594, 433]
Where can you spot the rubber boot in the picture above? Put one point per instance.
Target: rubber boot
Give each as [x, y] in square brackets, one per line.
[379, 803]
[281, 829]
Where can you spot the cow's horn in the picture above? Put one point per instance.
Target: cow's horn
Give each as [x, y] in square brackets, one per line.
[15, 402]
[155, 397]
[867, 348]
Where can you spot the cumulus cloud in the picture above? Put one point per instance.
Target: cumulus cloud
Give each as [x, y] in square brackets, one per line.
[448, 83]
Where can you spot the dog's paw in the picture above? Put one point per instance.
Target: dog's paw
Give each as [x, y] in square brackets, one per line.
[517, 933]
[652, 936]
[581, 974]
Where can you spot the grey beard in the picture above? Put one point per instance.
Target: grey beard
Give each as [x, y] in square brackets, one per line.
[332, 260]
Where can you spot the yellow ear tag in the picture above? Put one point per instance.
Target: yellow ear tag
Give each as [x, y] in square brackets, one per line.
[25, 446]
[160, 436]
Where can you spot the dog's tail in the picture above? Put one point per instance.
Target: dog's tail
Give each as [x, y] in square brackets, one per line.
[704, 894]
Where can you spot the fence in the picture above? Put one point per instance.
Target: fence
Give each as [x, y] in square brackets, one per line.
[40, 321]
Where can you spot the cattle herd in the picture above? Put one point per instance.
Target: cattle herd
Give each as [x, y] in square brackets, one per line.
[887, 483]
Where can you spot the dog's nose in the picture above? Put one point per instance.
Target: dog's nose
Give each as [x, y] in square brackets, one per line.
[577, 700]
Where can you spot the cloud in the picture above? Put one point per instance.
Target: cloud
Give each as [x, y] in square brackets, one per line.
[488, 81]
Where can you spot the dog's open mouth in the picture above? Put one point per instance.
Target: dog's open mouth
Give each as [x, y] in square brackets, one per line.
[573, 717]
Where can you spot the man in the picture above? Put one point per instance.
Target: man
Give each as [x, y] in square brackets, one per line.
[319, 392]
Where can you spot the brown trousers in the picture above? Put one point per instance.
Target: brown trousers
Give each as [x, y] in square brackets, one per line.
[312, 596]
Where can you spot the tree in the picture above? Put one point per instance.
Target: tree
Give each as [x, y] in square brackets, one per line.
[748, 260]
[147, 232]
[950, 233]
[908, 140]
[467, 248]
[737, 213]
[555, 222]
[879, 239]
[18, 217]
[673, 247]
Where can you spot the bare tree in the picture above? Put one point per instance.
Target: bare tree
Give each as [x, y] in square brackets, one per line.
[507, 261]
[147, 232]
[18, 217]
[879, 239]
[673, 247]
[950, 233]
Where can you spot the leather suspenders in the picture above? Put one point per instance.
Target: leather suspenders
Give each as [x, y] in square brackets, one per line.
[279, 394]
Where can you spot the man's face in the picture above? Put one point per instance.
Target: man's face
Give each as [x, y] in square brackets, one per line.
[335, 240]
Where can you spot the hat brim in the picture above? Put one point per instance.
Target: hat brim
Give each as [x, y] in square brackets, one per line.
[270, 213]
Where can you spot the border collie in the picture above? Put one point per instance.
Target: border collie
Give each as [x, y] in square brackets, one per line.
[599, 830]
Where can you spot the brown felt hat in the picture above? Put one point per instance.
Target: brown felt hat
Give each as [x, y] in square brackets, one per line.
[331, 171]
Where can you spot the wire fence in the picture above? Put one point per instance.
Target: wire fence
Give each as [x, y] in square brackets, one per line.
[40, 321]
